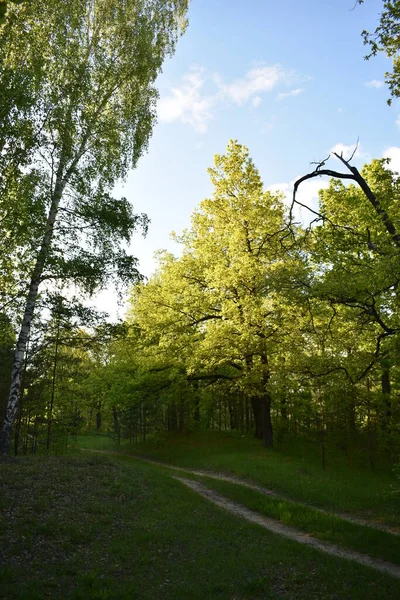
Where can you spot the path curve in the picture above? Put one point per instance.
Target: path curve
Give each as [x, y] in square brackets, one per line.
[272, 493]
[258, 488]
[286, 531]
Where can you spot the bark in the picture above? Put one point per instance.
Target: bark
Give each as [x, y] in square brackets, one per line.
[386, 390]
[117, 427]
[53, 388]
[266, 405]
[256, 406]
[356, 176]
[19, 354]
[266, 421]
[261, 406]
[98, 420]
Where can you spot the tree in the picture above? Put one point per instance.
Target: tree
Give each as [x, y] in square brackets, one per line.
[386, 39]
[217, 312]
[93, 114]
[356, 257]
[3, 8]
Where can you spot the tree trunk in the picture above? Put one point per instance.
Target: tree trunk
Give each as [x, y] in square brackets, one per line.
[256, 406]
[386, 390]
[117, 427]
[19, 354]
[98, 419]
[261, 406]
[266, 421]
[53, 389]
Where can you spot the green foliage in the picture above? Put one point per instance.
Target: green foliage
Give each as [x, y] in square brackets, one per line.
[78, 103]
[4, 6]
[385, 39]
[83, 125]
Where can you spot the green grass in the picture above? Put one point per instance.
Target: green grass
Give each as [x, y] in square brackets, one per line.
[295, 472]
[111, 528]
[378, 544]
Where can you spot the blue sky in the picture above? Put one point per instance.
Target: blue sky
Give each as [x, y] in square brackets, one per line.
[286, 78]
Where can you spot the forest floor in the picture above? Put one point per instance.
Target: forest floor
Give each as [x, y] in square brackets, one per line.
[108, 526]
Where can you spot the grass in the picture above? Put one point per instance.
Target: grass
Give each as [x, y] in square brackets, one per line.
[365, 540]
[112, 528]
[294, 472]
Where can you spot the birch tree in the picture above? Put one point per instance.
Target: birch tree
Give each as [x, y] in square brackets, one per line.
[93, 111]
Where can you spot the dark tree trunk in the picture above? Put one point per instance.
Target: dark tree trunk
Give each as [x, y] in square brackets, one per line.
[117, 427]
[98, 420]
[386, 390]
[256, 406]
[262, 416]
[197, 409]
[266, 421]
[53, 389]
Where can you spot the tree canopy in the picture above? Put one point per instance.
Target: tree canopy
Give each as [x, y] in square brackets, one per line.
[78, 109]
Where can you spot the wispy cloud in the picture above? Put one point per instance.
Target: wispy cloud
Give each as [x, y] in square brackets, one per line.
[374, 83]
[347, 150]
[187, 103]
[257, 80]
[295, 92]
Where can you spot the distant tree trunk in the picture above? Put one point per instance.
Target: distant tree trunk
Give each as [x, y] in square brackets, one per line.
[98, 417]
[53, 388]
[261, 406]
[387, 404]
[117, 427]
[233, 414]
[256, 406]
[266, 421]
[351, 411]
[247, 414]
[369, 428]
[18, 426]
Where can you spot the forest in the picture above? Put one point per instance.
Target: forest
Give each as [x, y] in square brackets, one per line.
[272, 334]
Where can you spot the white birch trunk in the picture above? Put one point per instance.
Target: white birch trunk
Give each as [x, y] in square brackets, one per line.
[19, 354]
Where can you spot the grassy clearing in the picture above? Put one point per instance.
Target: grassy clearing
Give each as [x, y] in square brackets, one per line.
[295, 472]
[96, 528]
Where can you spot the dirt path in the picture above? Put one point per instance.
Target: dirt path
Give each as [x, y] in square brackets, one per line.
[272, 493]
[257, 488]
[286, 531]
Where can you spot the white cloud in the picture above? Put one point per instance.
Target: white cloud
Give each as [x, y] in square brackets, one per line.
[393, 152]
[374, 83]
[295, 92]
[258, 79]
[347, 151]
[307, 194]
[187, 102]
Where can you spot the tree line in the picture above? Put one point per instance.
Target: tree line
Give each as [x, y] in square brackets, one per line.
[265, 322]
